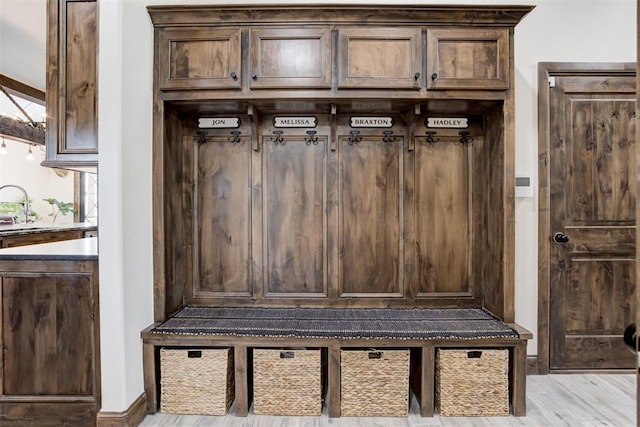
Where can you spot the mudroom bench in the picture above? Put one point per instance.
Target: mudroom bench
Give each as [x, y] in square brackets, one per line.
[422, 330]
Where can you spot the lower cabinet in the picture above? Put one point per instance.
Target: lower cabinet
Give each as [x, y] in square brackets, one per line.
[50, 363]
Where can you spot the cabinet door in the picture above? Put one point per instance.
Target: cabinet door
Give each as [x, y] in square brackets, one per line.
[72, 110]
[380, 58]
[290, 58]
[199, 59]
[467, 58]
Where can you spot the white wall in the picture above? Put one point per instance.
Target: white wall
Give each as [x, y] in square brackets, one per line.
[584, 31]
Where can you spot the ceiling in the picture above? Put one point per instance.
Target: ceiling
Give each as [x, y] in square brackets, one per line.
[23, 41]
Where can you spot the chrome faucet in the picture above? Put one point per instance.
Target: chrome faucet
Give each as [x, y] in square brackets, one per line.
[26, 200]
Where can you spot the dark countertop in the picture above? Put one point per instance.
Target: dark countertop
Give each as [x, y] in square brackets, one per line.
[43, 227]
[66, 250]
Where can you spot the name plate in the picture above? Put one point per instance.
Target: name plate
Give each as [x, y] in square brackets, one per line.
[295, 122]
[448, 122]
[218, 122]
[371, 122]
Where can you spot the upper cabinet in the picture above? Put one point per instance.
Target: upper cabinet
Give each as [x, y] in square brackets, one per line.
[72, 75]
[342, 52]
[380, 58]
[468, 58]
[199, 59]
[290, 58]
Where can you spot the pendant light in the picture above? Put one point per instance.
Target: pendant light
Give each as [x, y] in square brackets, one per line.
[30, 154]
[3, 148]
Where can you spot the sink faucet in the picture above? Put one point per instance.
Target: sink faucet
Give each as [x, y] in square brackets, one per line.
[26, 200]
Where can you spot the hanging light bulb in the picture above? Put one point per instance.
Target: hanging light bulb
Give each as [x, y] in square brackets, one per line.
[3, 148]
[30, 154]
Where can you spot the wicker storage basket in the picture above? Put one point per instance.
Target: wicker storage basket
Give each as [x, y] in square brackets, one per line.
[287, 382]
[196, 381]
[374, 383]
[472, 382]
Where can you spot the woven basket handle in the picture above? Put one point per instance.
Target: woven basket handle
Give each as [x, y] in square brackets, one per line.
[476, 354]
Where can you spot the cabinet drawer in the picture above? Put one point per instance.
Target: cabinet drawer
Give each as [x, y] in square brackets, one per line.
[290, 58]
[380, 58]
[199, 59]
[463, 58]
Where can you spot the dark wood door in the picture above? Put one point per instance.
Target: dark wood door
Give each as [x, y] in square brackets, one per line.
[592, 220]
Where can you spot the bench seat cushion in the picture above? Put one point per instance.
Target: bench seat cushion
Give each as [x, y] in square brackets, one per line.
[341, 323]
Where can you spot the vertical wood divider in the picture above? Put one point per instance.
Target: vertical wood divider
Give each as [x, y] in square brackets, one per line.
[241, 380]
[333, 380]
[519, 379]
[427, 401]
[150, 377]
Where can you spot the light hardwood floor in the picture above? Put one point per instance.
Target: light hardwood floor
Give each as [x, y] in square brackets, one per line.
[552, 400]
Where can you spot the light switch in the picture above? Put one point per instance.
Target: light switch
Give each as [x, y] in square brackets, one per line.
[524, 187]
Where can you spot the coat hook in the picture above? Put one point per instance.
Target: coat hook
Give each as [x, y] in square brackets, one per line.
[465, 137]
[387, 136]
[355, 137]
[312, 138]
[202, 137]
[278, 139]
[430, 137]
[236, 136]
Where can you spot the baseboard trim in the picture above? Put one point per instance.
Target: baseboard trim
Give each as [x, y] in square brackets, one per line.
[532, 365]
[131, 417]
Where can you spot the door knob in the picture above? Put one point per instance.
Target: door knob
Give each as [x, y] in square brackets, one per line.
[560, 238]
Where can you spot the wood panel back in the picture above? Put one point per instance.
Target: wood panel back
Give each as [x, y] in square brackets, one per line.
[370, 217]
[443, 211]
[295, 232]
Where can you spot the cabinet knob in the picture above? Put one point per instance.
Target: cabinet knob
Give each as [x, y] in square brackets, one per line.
[560, 238]
[434, 76]
[234, 76]
[416, 76]
[253, 76]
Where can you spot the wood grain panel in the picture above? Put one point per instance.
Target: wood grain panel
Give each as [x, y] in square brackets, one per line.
[490, 225]
[597, 285]
[80, 106]
[467, 58]
[294, 207]
[601, 142]
[290, 58]
[369, 217]
[199, 58]
[47, 335]
[380, 58]
[223, 225]
[443, 211]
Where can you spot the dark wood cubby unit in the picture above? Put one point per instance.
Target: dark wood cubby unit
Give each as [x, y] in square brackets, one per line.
[333, 214]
